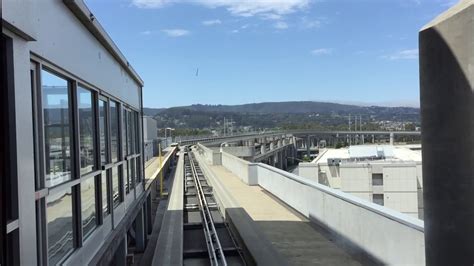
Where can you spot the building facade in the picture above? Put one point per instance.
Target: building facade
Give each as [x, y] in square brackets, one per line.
[390, 176]
[71, 107]
[150, 136]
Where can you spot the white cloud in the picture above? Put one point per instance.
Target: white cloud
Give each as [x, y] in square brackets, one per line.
[321, 51]
[235, 31]
[310, 24]
[151, 3]
[269, 9]
[270, 16]
[404, 54]
[146, 32]
[211, 22]
[176, 32]
[280, 25]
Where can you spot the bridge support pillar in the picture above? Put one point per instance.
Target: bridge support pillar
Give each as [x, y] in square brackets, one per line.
[447, 112]
[391, 138]
[308, 146]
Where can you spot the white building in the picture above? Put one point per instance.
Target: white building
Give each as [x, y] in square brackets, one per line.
[150, 134]
[150, 129]
[387, 175]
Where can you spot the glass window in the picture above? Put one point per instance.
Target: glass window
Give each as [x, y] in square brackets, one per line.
[86, 130]
[105, 198]
[57, 129]
[378, 199]
[89, 221]
[129, 133]
[103, 131]
[137, 169]
[124, 133]
[377, 179]
[60, 227]
[132, 172]
[114, 130]
[115, 186]
[126, 177]
[134, 132]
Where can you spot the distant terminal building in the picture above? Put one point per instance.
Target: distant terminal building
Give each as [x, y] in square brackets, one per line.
[387, 175]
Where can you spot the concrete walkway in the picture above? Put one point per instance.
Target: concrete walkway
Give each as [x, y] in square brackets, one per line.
[290, 233]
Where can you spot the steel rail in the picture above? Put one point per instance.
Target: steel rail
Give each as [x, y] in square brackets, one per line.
[214, 247]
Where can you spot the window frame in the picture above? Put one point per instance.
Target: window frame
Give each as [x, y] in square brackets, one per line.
[41, 191]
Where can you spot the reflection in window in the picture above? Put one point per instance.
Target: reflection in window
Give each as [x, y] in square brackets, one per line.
[137, 170]
[60, 232]
[89, 220]
[126, 176]
[129, 133]
[86, 129]
[102, 131]
[115, 186]
[105, 197]
[55, 102]
[114, 130]
[124, 132]
[132, 172]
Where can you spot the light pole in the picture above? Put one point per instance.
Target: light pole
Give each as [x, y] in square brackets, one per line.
[166, 137]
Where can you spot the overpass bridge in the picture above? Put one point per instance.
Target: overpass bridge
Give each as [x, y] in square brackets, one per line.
[217, 140]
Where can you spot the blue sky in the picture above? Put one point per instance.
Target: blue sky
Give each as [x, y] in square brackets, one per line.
[349, 51]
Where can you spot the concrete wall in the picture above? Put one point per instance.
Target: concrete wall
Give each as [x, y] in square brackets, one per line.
[240, 151]
[389, 236]
[62, 40]
[213, 157]
[245, 170]
[309, 170]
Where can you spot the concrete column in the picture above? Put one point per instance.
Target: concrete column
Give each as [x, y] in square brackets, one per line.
[262, 148]
[308, 146]
[447, 112]
[120, 256]
[272, 145]
[362, 138]
[140, 241]
[391, 138]
[251, 142]
[280, 161]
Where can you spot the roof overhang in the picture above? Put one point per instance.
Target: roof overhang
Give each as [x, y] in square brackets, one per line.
[82, 12]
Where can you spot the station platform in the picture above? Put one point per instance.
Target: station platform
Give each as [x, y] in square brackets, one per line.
[291, 234]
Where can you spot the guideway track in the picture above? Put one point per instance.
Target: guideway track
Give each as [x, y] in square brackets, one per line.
[207, 239]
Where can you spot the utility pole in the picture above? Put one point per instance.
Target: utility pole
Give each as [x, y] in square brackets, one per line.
[349, 122]
[355, 123]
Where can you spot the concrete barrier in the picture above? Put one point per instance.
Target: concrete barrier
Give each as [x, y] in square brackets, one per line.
[213, 157]
[245, 170]
[384, 234]
[388, 236]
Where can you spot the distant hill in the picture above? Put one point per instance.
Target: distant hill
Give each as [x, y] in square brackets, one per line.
[284, 107]
[152, 111]
[277, 114]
